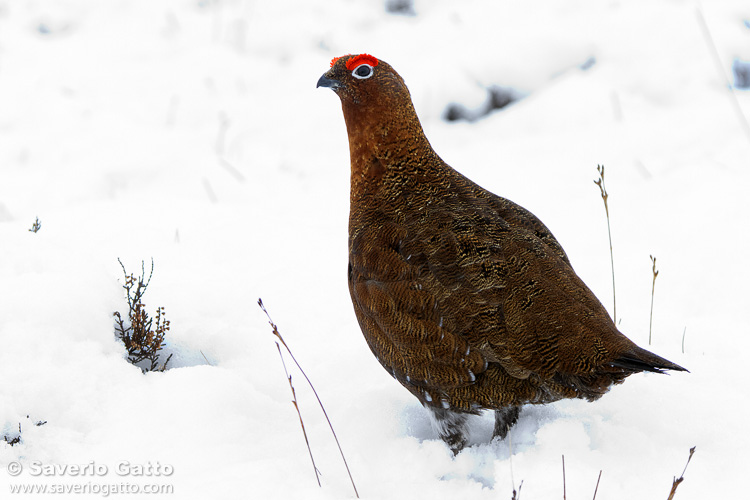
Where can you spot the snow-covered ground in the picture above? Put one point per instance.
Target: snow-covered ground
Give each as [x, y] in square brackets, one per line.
[192, 132]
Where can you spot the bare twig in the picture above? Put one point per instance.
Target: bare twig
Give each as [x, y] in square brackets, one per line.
[683, 339]
[140, 285]
[597, 484]
[722, 74]
[207, 361]
[563, 463]
[330, 425]
[603, 189]
[653, 286]
[301, 422]
[676, 482]
[36, 226]
[517, 494]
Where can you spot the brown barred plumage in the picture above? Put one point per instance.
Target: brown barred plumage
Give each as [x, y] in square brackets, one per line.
[466, 298]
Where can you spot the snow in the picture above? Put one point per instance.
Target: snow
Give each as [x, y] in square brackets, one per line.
[191, 132]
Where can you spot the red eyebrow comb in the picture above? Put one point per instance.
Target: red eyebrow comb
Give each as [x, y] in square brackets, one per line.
[361, 59]
[357, 60]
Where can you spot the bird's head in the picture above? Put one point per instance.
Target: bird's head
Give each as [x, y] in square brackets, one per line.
[364, 81]
[376, 103]
[381, 122]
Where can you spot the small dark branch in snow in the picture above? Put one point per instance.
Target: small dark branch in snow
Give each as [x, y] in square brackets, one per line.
[741, 70]
[36, 226]
[400, 7]
[12, 441]
[517, 494]
[678, 481]
[510, 461]
[497, 98]
[597, 484]
[38, 423]
[720, 68]
[500, 97]
[330, 425]
[588, 63]
[653, 286]
[51, 28]
[603, 189]
[204, 357]
[299, 413]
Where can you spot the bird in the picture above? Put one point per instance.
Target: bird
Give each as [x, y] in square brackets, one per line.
[464, 297]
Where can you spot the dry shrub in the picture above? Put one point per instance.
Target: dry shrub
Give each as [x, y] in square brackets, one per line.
[142, 335]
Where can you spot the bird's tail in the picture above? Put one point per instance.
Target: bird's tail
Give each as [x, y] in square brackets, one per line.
[638, 359]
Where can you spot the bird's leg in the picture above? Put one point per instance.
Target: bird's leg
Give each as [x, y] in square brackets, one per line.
[450, 426]
[504, 420]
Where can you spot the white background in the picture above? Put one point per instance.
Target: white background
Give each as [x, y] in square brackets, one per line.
[192, 132]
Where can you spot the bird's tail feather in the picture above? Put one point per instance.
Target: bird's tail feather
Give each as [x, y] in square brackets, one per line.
[638, 359]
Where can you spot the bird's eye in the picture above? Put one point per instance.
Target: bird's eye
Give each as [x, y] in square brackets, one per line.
[362, 71]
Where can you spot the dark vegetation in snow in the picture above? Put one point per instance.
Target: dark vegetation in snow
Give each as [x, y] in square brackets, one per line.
[143, 338]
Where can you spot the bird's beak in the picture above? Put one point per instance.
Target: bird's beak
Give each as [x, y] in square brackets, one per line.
[324, 81]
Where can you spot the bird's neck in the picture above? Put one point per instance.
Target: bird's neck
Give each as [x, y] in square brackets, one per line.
[383, 143]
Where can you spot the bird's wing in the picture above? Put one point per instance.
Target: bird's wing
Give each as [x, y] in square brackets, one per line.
[440, 301]
[518, 217]
[511, 213]
[400, 316]
[554, 325]
[529, 310]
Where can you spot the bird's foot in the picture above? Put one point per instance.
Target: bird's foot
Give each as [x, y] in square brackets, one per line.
[450, 426]
[505, 418]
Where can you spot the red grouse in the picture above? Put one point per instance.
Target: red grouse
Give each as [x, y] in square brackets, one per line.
[466, 298]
